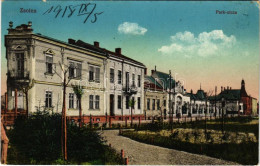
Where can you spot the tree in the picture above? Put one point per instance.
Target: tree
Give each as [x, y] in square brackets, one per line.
[131, 104]
[64, 69]
[25, 89]
[78, 90]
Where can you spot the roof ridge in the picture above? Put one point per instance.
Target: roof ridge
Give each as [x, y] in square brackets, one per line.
[122, 56]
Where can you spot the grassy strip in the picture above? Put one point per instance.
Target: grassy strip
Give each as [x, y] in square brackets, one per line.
[244, 153]
[232, 127]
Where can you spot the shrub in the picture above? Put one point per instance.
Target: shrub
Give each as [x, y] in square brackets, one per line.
[37, 140]
[83, 144]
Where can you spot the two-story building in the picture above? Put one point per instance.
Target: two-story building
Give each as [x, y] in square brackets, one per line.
[156, 105]
[37, 66]
[125, 78]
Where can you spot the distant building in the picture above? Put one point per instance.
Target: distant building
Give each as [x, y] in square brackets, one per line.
[247, 100]
[177, 98]
[156, 104]
[237, 101]
[198, 103]
[254, 106]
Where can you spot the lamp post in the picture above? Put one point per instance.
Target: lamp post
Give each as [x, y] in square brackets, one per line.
[223, 105]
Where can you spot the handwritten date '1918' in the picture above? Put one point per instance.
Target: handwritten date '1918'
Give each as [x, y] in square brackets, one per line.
[87, 9]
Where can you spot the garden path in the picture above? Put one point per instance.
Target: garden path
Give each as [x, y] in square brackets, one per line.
[144, 154]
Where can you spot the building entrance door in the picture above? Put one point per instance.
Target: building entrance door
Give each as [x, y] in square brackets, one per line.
[20, 100]
[112, 113]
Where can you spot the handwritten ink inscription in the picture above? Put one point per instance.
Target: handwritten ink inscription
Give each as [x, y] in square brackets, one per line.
[85, 9]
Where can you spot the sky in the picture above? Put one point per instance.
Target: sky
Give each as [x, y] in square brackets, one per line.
[192, 39]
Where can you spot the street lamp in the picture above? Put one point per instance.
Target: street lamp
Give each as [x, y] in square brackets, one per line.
[223, 105]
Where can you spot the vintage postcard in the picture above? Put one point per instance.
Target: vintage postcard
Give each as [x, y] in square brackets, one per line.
[129, 82]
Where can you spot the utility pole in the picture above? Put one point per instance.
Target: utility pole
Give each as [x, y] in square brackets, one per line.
[170, 101]
[215, 102]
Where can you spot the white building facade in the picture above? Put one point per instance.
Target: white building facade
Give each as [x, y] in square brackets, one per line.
[38, 63]
[125, 83]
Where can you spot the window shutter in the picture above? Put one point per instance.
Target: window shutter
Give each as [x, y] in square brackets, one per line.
[79, 68]
[97, 74]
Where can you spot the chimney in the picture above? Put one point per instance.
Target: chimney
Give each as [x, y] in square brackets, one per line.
[191, 91]
[227, 87]
[224, 88]
[11, 24]
[155, 68]
[230, 88]
[118, 51]
[96, 44]
[29, 25]
[221, 88]
[145, 71]
[152, 71]
[71, 41]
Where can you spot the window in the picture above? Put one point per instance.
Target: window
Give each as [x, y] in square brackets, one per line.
[20, 63]
[94, 73]
[127, 79]
[97, 102]
[75, 69]
[139, 81]
[112, 74]
[119, 77]
[158, 104]
[48, 99]
[139, 102]
[119, 102]
[71, 100]
[97, 74]
[91, 73]
[133, 79]
[49, 64]
[164, 103]
[78, 70]
[94, 102]
[91, 102]
[148, 104]
[153, 104]
[127, 102]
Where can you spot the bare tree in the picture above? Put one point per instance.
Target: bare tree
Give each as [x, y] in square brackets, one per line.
[64, 70]
[78, 90]
[25, 89]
